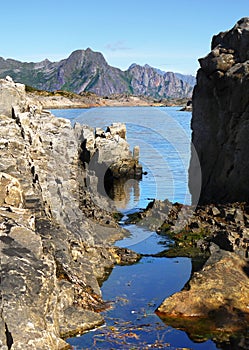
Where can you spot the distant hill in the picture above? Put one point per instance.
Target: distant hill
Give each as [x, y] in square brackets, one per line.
[86, 70]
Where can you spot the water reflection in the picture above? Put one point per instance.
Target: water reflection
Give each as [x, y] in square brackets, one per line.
[202, 329]
[163, 136]
[125, 193]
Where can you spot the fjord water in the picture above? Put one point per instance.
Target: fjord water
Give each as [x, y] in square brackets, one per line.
[163, 135]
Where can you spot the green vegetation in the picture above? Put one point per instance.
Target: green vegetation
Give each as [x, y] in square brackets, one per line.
[134, 218]
[165, 229]
[31, 89]
[63, 93]
[127, 79]
[186, 237]
[117, 216]
[185, 242]
[189, 252]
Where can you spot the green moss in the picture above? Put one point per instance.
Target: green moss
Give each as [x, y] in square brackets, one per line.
[165, 229]
[189, 252]
[185, 238]
[134, 218]
[117, 216]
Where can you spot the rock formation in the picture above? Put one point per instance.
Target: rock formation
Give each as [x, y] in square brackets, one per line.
[145, 80]
[211, 306]
[54, 240]
[110, 149]
[214, 303]
[221, 119]
[86, 70]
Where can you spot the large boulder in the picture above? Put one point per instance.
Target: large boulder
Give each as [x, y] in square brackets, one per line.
[215, 302]
[220, 120]
[210, 296]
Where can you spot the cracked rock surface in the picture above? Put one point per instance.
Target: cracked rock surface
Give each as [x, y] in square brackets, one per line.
[52, 252]
[220, 120]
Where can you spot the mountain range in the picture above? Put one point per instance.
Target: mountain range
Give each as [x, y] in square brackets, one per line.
[87, 70]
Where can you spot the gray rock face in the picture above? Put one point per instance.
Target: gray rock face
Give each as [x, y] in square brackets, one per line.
[147, 81]
[10, 94]
[220, 121]
[52, 248]
[190, 79]
[109, 163]
[86, 70]
[110, 150]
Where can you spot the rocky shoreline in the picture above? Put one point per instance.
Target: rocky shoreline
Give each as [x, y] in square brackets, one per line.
[64, 100]
[53, 253]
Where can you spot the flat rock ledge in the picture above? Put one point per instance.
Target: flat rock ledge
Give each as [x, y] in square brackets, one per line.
[55, 241]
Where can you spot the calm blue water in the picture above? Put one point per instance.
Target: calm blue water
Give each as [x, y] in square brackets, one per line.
[163, 135]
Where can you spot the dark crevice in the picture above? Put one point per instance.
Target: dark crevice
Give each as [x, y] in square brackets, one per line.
[246, 269]
[18, 122]
[9, 338]
[230, 170]
[85, 155]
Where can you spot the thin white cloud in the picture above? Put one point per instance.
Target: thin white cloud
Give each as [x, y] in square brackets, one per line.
[117, 46]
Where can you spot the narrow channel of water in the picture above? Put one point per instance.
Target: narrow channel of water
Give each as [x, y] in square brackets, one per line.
[137, 290]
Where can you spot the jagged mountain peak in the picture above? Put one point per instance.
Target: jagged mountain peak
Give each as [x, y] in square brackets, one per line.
[88, 53]
[132, 65]
[139, 66]
[46, 61]
[87, 70]
[146, 80]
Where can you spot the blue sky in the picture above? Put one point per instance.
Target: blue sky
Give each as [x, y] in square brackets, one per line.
[170, 35]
